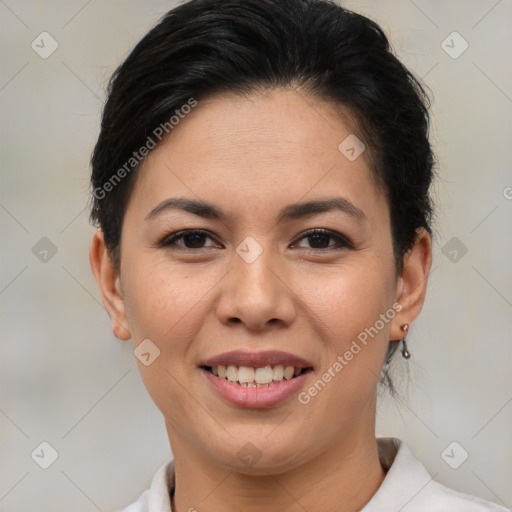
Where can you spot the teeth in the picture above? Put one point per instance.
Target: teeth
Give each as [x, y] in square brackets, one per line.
[221, 371]
[278, 372]
[288, 372]
[256, 377]
[264, 375]
[232, 373]
[245, 374]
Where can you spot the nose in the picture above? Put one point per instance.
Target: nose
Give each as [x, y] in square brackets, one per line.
[256, 295]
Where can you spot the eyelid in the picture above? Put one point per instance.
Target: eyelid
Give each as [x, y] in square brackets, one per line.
[342, 241]
[170, 238]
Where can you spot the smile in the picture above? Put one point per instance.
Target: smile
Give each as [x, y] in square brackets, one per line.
[256, 379]
[247, 376]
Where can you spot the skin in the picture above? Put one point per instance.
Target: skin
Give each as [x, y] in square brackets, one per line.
[251, 156]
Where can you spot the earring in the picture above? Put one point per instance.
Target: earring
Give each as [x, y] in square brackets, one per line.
[405, 351]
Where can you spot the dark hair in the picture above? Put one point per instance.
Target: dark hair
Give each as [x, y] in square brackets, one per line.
[204, 47]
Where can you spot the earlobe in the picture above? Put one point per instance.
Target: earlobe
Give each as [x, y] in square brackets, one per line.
[108, 282]
[413, 282]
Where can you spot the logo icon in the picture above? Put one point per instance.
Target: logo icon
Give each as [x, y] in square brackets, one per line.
[44, 250]
[454, 250]
[249, 250]
[454, 455]
[44, 455]
[249, 455]
[351, 147]
[44, 45]
[454, 45]
[146, 352]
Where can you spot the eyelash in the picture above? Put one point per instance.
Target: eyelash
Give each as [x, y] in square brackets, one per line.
[343, 243]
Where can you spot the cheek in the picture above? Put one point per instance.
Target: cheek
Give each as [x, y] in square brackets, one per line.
[353, 308]
[165, 302]
[348, 299]
[171, 302]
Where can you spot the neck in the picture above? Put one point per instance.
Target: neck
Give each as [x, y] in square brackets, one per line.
[342, 479]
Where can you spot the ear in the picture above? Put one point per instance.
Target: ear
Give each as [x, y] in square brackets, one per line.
[109, 284]
[412, 284]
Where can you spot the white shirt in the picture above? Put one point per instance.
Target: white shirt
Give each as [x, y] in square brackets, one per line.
[407, 487]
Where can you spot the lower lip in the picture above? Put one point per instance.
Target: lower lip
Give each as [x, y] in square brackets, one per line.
[256, 398]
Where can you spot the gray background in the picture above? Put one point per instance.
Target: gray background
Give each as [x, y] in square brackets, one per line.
[66, 380]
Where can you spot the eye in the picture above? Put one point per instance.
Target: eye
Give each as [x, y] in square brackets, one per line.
[191, 240]
[319, 240]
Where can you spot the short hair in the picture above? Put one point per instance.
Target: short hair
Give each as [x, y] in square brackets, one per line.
[203, 47]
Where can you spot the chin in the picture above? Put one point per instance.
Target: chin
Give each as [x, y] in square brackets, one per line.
[253, 455]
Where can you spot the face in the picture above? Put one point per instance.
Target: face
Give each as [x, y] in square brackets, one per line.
[288, 264]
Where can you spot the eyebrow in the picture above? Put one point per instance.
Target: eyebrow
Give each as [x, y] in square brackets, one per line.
[290, 212]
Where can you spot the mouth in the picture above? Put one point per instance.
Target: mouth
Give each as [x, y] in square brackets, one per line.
[256, 379]
[259, 377]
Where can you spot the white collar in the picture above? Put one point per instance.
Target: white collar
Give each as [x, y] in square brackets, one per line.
[407, 487]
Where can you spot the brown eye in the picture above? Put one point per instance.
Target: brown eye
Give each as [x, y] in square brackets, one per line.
[321, 240]
[192, 239]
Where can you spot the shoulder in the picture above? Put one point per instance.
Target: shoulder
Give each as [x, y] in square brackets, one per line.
[157, 497]
[141, 505]
[409, 487]
[440, 498]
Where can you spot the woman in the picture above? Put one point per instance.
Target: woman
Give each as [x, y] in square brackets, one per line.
[261, 187]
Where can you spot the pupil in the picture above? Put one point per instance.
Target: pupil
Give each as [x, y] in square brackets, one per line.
[194, 239]
[318, 238]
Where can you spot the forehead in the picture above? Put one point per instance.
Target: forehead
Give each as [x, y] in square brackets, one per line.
[257, 153]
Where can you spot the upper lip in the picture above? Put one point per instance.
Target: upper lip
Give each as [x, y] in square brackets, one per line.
[257, 359]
